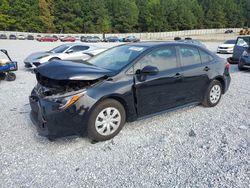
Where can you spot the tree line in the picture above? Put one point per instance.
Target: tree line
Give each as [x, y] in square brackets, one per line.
[106, 16]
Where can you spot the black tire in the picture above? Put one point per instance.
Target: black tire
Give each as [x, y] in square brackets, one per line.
[240, 66]
[207, 101]
[2, 76]
[10, 76]
[91, 129]
[54, 58]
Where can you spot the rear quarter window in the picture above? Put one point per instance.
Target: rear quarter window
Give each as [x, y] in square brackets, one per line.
[206, 57]
[190, 55]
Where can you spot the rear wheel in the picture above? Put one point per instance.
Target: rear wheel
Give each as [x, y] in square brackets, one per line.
[106, 120]
[213, 94]
[240, 66]
[10, 76]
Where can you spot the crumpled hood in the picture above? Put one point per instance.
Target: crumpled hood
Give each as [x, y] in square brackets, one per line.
[68, 70]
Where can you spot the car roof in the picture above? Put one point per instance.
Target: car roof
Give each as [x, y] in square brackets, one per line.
[159, 43]
[80, 44]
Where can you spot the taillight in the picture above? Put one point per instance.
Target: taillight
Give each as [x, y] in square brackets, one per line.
[227, 66]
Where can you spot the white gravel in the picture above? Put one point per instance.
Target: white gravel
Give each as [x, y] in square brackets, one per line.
[192, 147]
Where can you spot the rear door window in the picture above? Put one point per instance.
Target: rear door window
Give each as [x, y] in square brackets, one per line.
[190, 55]
[163, 58]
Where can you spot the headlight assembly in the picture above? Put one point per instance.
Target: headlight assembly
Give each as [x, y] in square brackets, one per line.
[65, 101]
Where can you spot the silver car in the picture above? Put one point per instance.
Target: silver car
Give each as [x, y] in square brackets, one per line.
[73, 52]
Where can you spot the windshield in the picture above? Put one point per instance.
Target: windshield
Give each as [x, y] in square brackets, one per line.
[60, 49]
[230, 42]
[117, 58]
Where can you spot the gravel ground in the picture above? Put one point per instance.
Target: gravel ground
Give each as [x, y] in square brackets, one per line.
[192, 147]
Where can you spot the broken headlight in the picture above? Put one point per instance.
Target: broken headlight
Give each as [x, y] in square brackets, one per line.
[67, 100]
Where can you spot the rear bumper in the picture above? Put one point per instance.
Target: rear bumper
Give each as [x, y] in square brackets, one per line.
[225, 51]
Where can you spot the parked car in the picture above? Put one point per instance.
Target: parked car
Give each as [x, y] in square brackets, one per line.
[242, 43]
[21, 37]
[131, 39]
[112, 39]
[94, 39]
[83, 39]
[3, 36]
[75, 52]
[123, 84]
[38, 37]
[229, 31]
[55, 36]
[68, 39]
[227, 47]
[90, 39]
[12, 37]
[47, 39]
[30, 37]
[244, 61]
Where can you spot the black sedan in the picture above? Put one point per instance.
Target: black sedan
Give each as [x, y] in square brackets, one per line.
[131, 39]
[12, 37]
[123, 84]
[30, 37]
[3, 36]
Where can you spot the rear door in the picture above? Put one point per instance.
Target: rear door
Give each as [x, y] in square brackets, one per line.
[195, 73]
[155, 93]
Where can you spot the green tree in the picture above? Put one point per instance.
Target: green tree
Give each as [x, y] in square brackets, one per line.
[124, 15]
[46, 15]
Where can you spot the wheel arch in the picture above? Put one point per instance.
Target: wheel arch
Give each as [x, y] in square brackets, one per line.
[221, 80]
[120, 100]
[54, 58]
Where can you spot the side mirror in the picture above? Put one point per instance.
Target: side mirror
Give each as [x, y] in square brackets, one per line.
[149, 70]
[69, 51]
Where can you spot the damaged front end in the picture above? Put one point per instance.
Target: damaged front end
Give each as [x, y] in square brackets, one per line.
[59, 106]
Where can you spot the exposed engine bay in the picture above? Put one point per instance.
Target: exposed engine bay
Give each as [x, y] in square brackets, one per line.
[48, 87]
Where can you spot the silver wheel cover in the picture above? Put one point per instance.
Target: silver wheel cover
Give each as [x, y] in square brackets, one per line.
[108, 121]
[215, 94]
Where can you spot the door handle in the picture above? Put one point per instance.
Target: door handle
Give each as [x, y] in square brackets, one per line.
[206, 69]
[178, 76]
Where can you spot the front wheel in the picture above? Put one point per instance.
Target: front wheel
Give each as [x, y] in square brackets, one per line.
[106, 120]
[10, 76]
[213, 94]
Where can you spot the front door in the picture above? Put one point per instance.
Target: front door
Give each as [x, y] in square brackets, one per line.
[155, 93]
